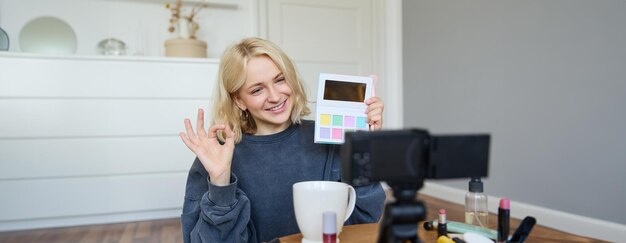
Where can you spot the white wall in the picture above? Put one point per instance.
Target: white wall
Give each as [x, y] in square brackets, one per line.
[141, 24]
[547, 79]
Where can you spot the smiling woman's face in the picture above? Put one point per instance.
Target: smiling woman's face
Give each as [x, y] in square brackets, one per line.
[267, 95]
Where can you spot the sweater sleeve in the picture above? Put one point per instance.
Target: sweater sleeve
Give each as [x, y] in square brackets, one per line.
[370, 201]
[217, 213]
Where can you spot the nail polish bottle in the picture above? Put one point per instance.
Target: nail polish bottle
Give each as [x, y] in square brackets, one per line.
[329, 227]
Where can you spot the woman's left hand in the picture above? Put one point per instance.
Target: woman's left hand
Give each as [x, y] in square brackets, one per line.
[374, 111]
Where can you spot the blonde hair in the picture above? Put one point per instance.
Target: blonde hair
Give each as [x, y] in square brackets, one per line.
[232, 76]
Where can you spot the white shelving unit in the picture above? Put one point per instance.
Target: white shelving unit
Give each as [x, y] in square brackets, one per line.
[94, 139]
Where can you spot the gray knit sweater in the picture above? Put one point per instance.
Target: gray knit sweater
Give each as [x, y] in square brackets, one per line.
[258, 204]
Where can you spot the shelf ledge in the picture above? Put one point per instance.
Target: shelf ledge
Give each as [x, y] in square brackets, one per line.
[222, 4]
[108, 58]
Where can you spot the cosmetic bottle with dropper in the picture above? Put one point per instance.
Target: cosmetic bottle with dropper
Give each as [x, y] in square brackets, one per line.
[476, 211]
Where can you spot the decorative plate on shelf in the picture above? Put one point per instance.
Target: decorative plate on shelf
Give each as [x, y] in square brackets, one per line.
[49, 35]
[4, 40]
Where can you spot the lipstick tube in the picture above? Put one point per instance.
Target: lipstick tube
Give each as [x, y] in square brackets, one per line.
[442, 229]
[503, 219]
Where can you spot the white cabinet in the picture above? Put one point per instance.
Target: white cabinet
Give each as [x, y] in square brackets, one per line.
[95, 139]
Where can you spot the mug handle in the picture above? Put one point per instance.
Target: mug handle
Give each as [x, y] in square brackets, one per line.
[351, 202]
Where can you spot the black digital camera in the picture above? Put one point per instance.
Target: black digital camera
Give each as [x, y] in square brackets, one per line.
[403, 159]
[407, 157]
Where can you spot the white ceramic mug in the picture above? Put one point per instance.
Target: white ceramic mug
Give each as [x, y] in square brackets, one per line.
[312, 198]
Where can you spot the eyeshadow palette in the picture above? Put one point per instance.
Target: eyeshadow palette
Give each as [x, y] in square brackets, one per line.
[340, 106]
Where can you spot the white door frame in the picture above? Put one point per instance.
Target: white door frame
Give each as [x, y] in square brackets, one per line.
[394, 104]
[388, 46]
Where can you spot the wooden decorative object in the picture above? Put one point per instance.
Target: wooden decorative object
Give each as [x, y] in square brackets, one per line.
[179, 47]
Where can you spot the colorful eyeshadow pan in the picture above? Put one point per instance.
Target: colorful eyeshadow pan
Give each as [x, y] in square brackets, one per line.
[332, 126]
[325, 119]
[360, 122]
[337, 120]
[348, 121]
[337, 133]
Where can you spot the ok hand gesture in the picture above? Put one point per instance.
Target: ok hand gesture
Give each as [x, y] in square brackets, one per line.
[215, 157]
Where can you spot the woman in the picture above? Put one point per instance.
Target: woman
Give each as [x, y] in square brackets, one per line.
[239, 188]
